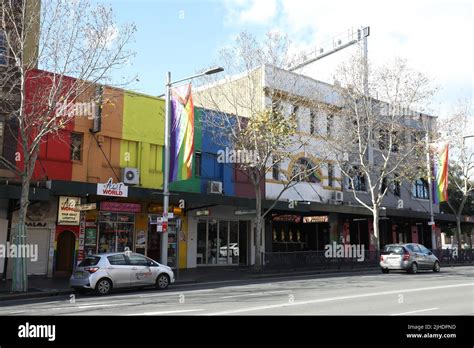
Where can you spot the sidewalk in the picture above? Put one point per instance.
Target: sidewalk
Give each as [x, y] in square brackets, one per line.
[46, 287]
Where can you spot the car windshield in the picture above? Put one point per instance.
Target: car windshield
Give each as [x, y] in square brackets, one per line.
[392, 249]
[90, 261]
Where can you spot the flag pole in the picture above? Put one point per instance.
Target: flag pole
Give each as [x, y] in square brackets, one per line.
[431, 223]
[166, 171]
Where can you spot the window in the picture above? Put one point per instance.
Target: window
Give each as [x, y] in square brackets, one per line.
[3, 49]
[276, 107]
[304, 170]
[358, 180]
[330, 174]
[137, 260]
[155, 161]
[384, 185]
[76, 146]
[420, 189]
[329, 124]
[89, 261]
[312, 120]
[117, 260]
[396, 185]
[423, 249]
[276, 168]
[383, 139]
[295, 110]
[413, 247]
[197, 165]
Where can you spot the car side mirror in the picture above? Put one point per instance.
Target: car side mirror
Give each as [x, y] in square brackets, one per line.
[151, 264]
[430, 253]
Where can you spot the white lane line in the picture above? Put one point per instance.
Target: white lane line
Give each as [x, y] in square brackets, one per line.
[257, 294]
[250, 309]
[104, 305]
[167, 312]
[418, 311]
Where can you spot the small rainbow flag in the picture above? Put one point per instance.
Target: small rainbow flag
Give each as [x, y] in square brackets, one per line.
[441, 174]
[182, 133]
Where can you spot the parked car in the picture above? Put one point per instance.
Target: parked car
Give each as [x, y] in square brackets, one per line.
[233, 250]
[410, 257]
[104, 272]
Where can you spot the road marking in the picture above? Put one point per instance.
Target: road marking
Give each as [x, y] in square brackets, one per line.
[257, 293]
[421, 310]
[102, 305]
[250, 309]
[166, 312]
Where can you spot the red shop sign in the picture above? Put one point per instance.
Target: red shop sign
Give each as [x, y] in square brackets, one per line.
[121, 207]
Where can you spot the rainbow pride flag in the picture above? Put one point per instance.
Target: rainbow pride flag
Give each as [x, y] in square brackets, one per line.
[182, 133]
[441, 174]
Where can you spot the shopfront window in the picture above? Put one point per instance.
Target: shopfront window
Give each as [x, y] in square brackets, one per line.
[217, 242]
[116, 231]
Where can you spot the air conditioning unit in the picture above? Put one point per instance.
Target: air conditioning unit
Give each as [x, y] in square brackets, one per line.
[337, 196]
[131, 176]
[214, 187]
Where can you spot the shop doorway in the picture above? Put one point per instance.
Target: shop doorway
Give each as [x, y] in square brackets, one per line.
[153, 242]
[218, 242]
[243, 241]
[65, 252]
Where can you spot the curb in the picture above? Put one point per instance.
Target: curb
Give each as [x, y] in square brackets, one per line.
[27, 295]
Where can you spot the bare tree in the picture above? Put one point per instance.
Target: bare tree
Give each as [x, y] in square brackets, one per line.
[378, 142]
[259, 118]
[79, 46]
[458, 132]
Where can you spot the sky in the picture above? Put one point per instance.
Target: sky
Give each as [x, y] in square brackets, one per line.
[185, 36]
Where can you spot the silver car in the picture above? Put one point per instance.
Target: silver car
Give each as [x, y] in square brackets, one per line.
[410, 257]
[104, 272]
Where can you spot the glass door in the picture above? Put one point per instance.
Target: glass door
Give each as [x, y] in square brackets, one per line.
[217, 242]
[223, 245]
[233, 255]
[212, 242]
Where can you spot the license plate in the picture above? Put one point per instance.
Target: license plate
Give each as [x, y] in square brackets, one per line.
[79, 274]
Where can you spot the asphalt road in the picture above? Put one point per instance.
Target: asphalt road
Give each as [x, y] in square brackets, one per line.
[450, 292]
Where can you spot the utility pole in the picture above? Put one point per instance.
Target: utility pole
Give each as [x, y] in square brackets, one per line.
[431, 223]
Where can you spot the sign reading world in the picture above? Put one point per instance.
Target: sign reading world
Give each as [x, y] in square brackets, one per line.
[67, 212]
[118, 189]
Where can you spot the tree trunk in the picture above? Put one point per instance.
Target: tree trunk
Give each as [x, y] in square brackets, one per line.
[458, 231]
[375, 214]
[19, 277]
[258, 229]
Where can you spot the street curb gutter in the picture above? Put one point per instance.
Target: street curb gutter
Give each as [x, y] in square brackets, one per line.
[42, 294]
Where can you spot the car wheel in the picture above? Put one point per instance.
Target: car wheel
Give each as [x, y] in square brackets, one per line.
[436, 267]
[162, 281]
[385, 270]
[103, 286]
[413, 269]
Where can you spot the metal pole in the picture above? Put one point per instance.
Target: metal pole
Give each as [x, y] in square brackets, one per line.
[430, 193]
[166, 170]
[365, 56]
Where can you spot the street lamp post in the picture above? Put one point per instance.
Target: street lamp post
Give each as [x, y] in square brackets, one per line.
[166, 171]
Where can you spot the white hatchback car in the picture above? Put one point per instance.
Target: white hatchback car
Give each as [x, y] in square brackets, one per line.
[104, 272]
